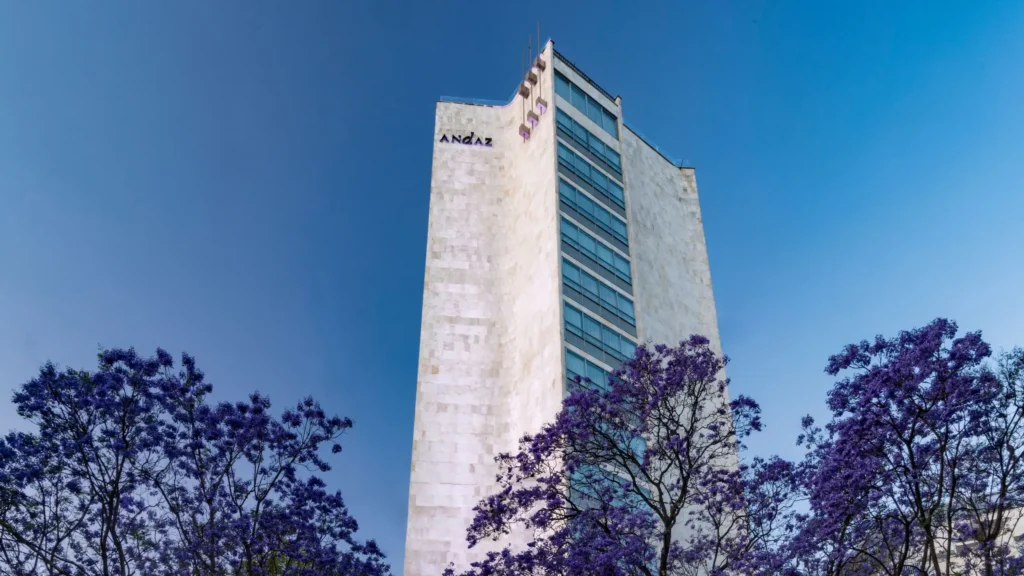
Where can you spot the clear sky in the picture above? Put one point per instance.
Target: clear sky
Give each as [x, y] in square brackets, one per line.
[248, 182]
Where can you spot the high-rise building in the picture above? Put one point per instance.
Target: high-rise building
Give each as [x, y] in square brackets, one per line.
[558, 238]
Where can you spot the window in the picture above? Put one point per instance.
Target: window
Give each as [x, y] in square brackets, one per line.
[592, 331]
[580, 167]
[598, 335]
[606, 256]
[570, 273]
[566, 156]
[579, 98]
[591, 287]
[608, 296]
[578, 131]
[562, 86]
[576, 365]
[598, 293]
[597, 375]
[622, 269]
[586, 104]
[596, 114]
[626, 308]
[620, 229]
[611, 124]
[593, 212]
[608, 259]
[574, 321]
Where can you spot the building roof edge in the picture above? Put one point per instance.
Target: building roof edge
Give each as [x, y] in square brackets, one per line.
[676, 163]
[582, 74]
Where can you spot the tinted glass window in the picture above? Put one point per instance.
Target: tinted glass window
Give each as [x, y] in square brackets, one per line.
[622, 266]
[573, 316]
[610, 338]
[609, 296]
[583, 168]
[616, 191]
[567, 192]
[613, 157]
[610, 124]
[586, 204]
[588, 243]
[627, 348]
[562, 86]
[595, 112]
[590, 285]
[571, 272]
[589, 106]
[579, 98]
[565, 154]
[626, 306]
[575, 364]
[620, 228]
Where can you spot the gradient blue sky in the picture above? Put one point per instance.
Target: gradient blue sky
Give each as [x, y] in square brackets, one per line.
[248, 181]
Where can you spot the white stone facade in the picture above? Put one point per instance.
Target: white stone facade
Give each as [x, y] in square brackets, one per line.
[491, 362]
[670, 259]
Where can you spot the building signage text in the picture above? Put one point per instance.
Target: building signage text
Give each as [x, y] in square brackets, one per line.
[470, 138]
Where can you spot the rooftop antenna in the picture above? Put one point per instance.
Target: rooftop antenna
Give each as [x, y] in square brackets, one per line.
[529, 44]
[522, 73]
[525, 84]
[540, 77]
[523, 93]
[530, 81]
[541, 103]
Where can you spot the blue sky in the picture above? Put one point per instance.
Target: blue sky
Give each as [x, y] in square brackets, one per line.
[248, 182]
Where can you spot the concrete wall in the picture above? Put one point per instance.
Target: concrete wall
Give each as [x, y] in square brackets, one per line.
[532, 278]
[672, 275]
[490, 343]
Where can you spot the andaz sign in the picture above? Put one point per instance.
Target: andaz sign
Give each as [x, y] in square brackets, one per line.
[470, 139]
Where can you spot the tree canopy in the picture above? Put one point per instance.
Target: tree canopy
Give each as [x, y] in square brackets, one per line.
[918, 471]
[132, 470]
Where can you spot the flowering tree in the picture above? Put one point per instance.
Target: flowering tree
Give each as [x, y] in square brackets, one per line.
[920, 471]
[636, 476]
[132, 471]
[993, 502]
[920, 464]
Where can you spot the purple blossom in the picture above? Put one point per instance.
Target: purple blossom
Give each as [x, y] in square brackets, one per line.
[132, 471]
[633, 477]
[901, 479]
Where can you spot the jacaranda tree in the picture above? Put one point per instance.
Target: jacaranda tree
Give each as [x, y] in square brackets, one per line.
[131, 470]
[918, 471]
[636, 476]
[993, 501]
